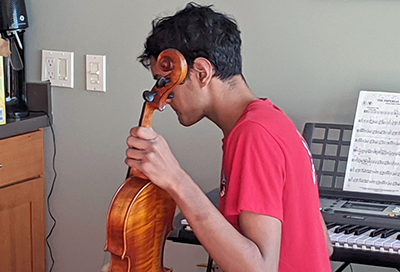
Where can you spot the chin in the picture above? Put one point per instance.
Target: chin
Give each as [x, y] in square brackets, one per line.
[189, 120]
[187, 123]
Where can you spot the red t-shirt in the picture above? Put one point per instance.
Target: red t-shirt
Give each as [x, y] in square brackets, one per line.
[267, 169]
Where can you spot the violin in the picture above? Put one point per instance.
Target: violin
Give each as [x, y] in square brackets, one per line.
[140, 215]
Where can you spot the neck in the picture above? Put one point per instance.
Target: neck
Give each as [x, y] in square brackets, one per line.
[230, 99]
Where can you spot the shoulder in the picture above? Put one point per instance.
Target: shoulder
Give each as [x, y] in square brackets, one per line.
[265, 114]
[248, 133]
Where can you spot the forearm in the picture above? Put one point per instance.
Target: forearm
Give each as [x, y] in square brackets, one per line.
[149, 153]
[327, 238]
[231, 250]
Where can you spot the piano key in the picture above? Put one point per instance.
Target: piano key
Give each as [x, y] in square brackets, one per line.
[342, 240]
[364, 238]
[354, 241]
[351, 229]
[334, 236]
[377, 232]
[396, 245]
[330, 225]
[351, 241]
[387, 243]
[362, 230]
[370, 243]
[332, 230]
[347, 234]
[342, 228]
[388, 233]
[360, 242]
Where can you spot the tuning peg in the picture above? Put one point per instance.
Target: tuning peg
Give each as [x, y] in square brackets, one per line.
[162, 81]
[171, 95]
[149, 96]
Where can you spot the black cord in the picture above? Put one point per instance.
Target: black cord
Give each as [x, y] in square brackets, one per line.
[343, 267]
[51, 190]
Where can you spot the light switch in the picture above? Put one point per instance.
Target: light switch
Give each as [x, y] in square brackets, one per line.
[94, 68]
[62, 69]
[96, 73]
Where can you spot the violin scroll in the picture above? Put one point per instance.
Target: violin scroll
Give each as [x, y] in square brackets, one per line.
[141, 214]
[173, 64]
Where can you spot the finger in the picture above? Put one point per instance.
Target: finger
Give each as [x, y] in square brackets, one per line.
[137, 143]
[135, 154]
[143, 133]
[134, 159]
[141, 137]
[132, 163]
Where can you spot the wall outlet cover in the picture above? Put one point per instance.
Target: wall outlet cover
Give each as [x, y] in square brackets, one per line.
[58, 68]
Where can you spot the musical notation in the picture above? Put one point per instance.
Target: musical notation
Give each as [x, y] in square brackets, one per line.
[374, 151]
[378, 142]
[377, 132]
[369, 161]
[374, 156]
[377, 121]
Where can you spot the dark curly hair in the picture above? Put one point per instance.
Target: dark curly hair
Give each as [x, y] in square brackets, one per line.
[197, 31]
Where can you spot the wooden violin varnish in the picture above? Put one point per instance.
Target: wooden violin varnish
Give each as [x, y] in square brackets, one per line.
[140, 215]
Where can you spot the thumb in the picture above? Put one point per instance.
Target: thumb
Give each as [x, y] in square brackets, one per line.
[143, 133]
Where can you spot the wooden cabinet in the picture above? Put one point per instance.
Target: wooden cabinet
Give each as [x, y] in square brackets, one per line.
[22, 223]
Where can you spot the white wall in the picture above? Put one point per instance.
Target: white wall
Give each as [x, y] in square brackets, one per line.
[310, 57]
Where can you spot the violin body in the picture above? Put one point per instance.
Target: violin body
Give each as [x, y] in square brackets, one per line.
[138, 237]
[141, 214]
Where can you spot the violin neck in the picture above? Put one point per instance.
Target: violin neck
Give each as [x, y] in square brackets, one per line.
[146, 115]
[144, 121]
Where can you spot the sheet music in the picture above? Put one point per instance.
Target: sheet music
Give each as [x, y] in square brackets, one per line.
[373, 164]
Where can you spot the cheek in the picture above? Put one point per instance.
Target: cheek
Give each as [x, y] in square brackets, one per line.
[177, 100]
[175, 104]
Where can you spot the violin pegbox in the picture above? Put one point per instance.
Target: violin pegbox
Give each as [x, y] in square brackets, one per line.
[174, 65]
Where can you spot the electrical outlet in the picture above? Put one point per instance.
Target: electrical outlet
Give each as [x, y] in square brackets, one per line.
[58, 67]
[51, 68]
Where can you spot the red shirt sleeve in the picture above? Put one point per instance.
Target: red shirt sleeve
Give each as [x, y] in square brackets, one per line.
[255, 172]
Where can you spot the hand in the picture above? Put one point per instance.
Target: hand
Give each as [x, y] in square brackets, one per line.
[149, 153]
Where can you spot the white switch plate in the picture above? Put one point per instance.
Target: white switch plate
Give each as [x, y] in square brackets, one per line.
[96, 73]
[58, 67]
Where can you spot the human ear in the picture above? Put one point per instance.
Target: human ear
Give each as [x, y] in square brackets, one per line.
[203, 70]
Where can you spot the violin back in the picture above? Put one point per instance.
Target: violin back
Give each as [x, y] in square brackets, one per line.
[140, 217]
